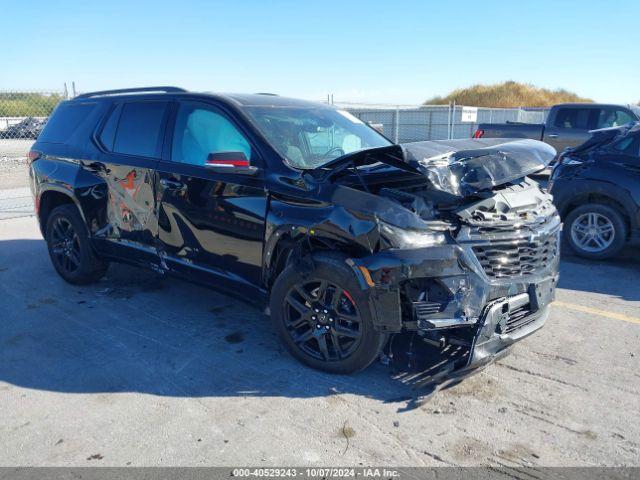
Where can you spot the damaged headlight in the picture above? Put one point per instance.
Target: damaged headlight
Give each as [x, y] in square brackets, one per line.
[404, 238]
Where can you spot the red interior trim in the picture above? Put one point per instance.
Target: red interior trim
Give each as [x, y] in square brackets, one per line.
[235, 163]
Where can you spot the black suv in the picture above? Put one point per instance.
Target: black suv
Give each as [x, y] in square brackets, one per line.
[596, 188]
[344, 237]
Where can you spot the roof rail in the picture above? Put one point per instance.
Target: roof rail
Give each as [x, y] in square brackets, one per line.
[131, 90]
[268, 94]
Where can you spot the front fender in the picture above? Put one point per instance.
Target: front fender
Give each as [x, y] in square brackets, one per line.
[312, 222]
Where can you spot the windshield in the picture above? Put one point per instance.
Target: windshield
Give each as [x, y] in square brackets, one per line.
[636, 109]
[309, 137]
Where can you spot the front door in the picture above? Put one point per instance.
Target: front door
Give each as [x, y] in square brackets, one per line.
[211, 223]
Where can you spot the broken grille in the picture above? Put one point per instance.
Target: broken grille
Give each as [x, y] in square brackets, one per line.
[516, 257]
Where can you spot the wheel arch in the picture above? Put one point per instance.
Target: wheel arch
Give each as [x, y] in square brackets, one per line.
[50, 198]
[290, 243]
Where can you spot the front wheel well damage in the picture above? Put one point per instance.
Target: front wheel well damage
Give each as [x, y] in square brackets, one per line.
[601, 199]
[300, 249]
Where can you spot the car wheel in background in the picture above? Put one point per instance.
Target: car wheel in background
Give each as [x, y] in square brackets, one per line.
[324, 318]
[69, 248]
[595, 231]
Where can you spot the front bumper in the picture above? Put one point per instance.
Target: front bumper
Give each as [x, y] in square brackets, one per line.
[494, 335]
[484, 307]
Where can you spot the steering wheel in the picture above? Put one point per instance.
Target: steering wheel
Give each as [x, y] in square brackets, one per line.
[331, 151]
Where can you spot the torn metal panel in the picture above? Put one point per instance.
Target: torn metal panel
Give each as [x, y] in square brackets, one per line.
[464, 167]
[457, 167]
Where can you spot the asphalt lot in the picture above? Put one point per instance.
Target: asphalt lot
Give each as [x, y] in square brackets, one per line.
[140, 369]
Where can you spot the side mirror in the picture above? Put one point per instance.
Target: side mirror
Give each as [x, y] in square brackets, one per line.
[230, 162]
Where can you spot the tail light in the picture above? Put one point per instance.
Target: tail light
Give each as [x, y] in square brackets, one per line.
[478, 134]
[33, 155]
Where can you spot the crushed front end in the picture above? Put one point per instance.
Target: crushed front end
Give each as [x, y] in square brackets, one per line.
[479, 280]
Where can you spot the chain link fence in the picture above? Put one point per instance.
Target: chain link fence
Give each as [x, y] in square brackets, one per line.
[23, 114]
[411, 123]
[22, 118]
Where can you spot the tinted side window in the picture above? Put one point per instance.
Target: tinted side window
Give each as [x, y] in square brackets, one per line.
[139, 127]
[200, 131]
[576, 118]
[64, 121]
[612, 117]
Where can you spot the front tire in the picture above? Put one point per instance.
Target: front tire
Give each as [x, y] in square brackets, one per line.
[69, 248]
[595, 231]
[324, 318]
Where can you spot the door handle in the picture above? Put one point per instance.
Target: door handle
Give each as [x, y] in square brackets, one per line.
[553, 135]
[171, 184]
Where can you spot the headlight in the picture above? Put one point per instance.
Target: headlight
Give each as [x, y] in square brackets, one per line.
[403, 238]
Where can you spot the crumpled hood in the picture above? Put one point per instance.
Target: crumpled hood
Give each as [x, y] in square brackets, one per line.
[464, 167]
[458, 168]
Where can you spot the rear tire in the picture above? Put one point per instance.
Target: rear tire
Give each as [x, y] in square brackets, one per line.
[324, 318]
[69, 248]
[595, 231]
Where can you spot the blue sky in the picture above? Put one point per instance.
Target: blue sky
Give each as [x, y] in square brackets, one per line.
[373, 51]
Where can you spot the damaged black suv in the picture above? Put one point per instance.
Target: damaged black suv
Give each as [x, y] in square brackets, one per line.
[344, 237]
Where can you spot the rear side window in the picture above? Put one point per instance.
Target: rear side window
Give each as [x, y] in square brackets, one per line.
[134, 128]
[576, 118]
[64, 121]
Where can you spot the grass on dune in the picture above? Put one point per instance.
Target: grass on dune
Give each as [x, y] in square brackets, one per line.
[507, 94]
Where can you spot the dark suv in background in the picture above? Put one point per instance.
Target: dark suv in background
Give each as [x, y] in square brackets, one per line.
[344, 237]
[596, 188]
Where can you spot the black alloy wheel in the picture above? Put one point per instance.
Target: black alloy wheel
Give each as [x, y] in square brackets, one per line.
[65, 245]
[324, 316]
[69, 246]
[322, 320]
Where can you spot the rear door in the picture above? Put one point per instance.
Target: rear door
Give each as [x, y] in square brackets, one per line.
[571, 126]
[211, 223]
[131, 140]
